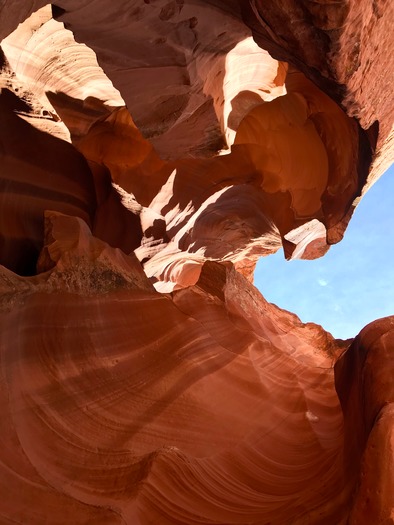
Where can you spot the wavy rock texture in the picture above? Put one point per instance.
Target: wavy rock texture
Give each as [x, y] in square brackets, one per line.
[110, 402]
[151, 151]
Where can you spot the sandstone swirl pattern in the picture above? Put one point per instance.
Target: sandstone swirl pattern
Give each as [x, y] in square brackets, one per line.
[151, 151]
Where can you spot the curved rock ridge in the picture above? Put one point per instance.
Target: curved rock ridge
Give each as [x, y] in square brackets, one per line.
[45, 57]
[129, 410]
[150, 152]
[41, 59]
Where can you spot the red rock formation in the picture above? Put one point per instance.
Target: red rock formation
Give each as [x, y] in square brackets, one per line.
[32, 180]
[111, 400]
[342, 46]
[365, 387]
[144, 380]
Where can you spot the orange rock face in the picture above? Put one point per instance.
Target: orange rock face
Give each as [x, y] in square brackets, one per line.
[151, 152]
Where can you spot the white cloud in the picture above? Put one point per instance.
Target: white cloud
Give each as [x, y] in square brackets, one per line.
[322, 282]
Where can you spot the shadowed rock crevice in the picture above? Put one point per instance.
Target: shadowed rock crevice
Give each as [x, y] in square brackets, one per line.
[32, 180]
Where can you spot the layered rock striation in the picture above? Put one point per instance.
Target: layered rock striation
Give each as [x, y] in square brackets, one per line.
[151, 152]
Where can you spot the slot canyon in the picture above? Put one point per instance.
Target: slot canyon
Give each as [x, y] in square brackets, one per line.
[151, 151]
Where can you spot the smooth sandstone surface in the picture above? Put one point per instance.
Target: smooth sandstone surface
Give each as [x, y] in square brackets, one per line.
[150, 152]
[195, 418]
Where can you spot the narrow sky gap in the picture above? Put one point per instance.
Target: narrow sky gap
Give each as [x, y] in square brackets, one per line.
[353, 284]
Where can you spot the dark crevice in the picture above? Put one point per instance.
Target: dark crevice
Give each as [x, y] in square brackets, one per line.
[367, 140]
[57, 12]
[3, 60]
[286, 48]
[373, 134]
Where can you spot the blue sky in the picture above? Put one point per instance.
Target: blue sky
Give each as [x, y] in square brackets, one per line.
[353, 284]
